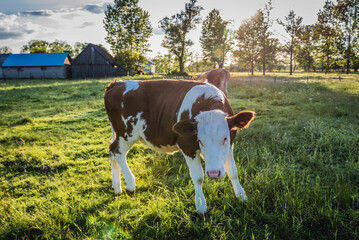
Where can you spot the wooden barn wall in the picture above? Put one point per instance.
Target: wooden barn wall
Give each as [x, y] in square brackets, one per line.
[86, 58]
[91, 71]
[35, 72]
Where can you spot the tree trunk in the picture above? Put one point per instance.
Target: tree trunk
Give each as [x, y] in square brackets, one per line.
[181, 63]
[291, 59]
[252, 68]
[348, 54]
[264, 60]
[220, 64]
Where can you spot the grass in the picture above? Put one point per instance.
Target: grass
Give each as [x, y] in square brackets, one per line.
[298, 162]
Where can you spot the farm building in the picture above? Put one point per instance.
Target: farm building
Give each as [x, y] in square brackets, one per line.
[95, 62]
[3, 57]
[150, 67]
[37, 65]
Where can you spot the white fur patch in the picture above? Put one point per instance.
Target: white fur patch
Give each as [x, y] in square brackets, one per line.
[208, 90]
[131, 85]
[138, 127]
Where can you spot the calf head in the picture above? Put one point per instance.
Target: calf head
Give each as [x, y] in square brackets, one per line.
[212, 131]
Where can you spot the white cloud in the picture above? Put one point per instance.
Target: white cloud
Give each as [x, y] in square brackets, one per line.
[83, 24]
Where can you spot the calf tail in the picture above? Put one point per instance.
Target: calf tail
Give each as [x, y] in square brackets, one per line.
[110, 85]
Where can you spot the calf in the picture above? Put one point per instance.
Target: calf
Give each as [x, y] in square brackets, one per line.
[171, 115]
[217, 77]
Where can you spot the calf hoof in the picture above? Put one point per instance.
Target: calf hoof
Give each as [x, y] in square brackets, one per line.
[118, 191]
[242, 197]
[202, 215]
[130, 193]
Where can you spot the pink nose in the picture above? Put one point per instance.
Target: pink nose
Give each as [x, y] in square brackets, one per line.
[214, 174]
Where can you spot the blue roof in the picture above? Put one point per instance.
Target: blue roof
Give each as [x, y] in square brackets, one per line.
[35, 60]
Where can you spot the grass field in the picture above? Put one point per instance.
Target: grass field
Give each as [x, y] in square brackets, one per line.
[298, 162]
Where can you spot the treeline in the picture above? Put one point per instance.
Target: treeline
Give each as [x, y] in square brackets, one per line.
[331, 44]
[40, 46]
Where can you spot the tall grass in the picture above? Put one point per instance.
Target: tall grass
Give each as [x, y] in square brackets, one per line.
[298, 162]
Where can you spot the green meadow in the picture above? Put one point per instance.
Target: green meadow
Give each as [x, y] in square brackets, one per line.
[298, 163]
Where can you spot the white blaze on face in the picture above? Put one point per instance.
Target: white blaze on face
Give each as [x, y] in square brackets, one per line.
[214, 141]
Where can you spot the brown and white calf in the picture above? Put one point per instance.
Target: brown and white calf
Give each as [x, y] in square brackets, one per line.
[217, 77]
[170, 115]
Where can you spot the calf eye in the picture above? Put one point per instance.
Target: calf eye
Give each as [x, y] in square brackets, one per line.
[224, 140]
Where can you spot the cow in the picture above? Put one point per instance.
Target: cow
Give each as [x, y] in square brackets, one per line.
[170, 115]
[217, 77]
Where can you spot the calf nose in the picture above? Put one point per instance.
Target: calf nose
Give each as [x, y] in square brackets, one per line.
[214, 174]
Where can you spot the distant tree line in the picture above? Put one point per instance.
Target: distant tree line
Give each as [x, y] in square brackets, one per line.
[40, 46]
[331, 44]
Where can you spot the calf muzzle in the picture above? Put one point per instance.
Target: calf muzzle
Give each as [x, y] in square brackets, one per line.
[214, 174]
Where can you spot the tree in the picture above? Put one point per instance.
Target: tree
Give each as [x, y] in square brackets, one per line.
[347, 16]
[36, 46]
[60, 47]
[326, 34]
[263, 23]
[293, 26]
[5, 50]
[306, 47]
[176, 29]
[128, 30]
[216, 40]
[247, 51]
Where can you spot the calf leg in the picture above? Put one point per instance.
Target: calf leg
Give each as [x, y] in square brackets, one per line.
[119, 163]
[196, 172]
[231, 170]
[116, 175]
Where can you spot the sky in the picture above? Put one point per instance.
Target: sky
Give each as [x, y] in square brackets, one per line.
[82, 20]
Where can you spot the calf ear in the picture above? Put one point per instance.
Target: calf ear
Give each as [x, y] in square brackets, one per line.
[241, 120]
[185, 128]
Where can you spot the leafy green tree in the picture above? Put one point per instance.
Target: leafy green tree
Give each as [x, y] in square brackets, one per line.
[216, 40]
[176, 29]
[36, 46]
[326, 33]
[293, 26]
[306, 48]
[128, 30]
[5, 50]
[263, 24]
[165, 64]
[346, 12]
[60, 47]
[248, 51]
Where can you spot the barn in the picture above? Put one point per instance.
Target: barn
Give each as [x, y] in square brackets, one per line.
[3, 57]
[37, 65]
[150, 67]
[95, 62]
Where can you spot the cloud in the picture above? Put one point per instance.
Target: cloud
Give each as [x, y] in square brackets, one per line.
[12, 28]
[7, 35]
[97, 9]
[158, 31]
[87, 24]
[38, 13]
